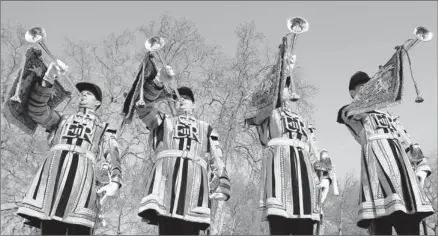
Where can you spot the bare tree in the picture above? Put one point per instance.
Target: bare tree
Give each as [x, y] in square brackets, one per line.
[18, 155]
[431, 189]
[340, 211]
[220, 85]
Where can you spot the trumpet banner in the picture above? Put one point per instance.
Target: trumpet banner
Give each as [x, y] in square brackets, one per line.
[134, 94]
[383, 90]
[16, 112]
[265, 97]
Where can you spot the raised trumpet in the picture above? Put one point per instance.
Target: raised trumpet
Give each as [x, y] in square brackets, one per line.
[154, 44]
[296, 26]
[424, 35]
[37, 35]
[104, 178]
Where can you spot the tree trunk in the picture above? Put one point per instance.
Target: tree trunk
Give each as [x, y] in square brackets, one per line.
[217, 223]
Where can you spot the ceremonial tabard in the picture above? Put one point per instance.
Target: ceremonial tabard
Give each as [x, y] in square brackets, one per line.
[185, 150]
[64, 188]
[388, 179]
[289, 179]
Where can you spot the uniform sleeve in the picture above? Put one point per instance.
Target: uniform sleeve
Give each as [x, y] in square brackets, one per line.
[353, 123]
[413, 150]
[314, 151]
[263, 131]
[38, 109]
[111, 153]
[149, 114]
[343, 118]
[217, 165]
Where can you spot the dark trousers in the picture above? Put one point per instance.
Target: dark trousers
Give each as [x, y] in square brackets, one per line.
[279, 225]
[173, 226]
[53, 227]
[403, 224]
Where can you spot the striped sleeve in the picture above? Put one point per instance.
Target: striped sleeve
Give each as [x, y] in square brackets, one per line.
[343, 118]
[38, 109]
[353, 123]
[217, 165]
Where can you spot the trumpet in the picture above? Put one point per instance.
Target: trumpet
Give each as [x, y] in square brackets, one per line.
[37, 35]
[296, 26]
[424, 35]
[104, 178]
[154, 44]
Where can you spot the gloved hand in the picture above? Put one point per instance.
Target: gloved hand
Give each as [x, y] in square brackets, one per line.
[109, 190]
[325, 186]
[421, 175]
[289, 61]
[165, 75]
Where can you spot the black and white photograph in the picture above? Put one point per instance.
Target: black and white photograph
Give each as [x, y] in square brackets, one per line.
[219, 118]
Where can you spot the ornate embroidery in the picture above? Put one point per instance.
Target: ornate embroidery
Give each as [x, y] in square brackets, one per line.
[187, 129]
[292, 123]
[81, 127]
[383, 121]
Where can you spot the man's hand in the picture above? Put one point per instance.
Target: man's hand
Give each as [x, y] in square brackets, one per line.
[218, 196]
[51, 74]
[324, 185]
[109, 190]
[421, 175]
[37, 70]
[61, 66]
[289, 61]
[165, 75]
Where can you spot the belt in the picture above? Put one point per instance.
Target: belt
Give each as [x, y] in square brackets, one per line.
[382, 136]
[74, 149]
[289, 142]
[184, 154]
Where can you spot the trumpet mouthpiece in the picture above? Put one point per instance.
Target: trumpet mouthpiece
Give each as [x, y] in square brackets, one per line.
[419, 99]
[295, 97]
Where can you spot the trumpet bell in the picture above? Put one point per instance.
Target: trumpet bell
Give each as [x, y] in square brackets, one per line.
[35, 35]
[154, 43]
[423, 34]
[297, 25]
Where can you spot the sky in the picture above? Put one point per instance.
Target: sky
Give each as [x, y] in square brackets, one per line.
[343, 37]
